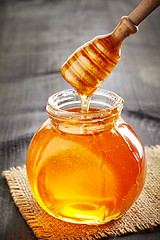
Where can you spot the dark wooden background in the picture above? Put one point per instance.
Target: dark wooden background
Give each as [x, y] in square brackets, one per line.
[36, 37]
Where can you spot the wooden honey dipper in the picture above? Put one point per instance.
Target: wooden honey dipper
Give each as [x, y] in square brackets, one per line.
[92, 63]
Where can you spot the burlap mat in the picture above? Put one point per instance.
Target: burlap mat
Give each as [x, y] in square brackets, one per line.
[144, 214]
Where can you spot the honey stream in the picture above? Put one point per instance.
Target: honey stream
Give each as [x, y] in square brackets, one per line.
[92, 63]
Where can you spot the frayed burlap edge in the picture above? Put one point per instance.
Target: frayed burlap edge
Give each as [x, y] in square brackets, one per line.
[144, 214]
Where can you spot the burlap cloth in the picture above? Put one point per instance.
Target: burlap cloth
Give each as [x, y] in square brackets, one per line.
[144, 214]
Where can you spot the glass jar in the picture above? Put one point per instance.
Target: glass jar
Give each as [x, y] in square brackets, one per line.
[86, 167]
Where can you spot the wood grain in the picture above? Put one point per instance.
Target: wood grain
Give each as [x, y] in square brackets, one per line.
[36, 37]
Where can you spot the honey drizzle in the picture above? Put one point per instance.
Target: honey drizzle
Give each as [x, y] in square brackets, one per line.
[92, 63]
[85, 101]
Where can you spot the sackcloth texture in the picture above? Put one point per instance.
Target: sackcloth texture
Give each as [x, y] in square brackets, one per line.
[144, 214]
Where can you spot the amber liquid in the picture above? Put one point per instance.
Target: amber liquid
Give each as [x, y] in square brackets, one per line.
[91, 64]
[90, 178]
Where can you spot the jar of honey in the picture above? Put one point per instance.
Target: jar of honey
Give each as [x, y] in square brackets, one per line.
[86, 167]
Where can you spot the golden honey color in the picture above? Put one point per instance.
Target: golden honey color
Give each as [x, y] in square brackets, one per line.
[87, 178]
[90, 65]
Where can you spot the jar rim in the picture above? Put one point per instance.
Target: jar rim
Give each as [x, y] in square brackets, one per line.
[56, 106]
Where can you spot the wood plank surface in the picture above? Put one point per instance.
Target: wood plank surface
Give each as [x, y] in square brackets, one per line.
[36, 37]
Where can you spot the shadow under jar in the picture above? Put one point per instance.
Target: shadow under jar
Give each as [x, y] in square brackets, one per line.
[86, 167]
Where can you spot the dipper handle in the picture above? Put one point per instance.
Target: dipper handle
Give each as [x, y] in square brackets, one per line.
[143, 10]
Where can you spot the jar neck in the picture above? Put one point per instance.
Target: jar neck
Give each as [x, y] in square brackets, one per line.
[64, 110]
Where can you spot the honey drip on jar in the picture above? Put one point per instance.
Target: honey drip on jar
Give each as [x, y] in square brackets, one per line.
[92, 63]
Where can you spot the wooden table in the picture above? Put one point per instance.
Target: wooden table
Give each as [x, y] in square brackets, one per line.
[36, 37]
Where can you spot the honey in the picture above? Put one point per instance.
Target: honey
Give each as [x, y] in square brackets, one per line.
[86, 167]
[92, 63]
[86, 164]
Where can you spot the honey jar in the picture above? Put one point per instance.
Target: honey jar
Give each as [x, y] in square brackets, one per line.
[86, 167]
